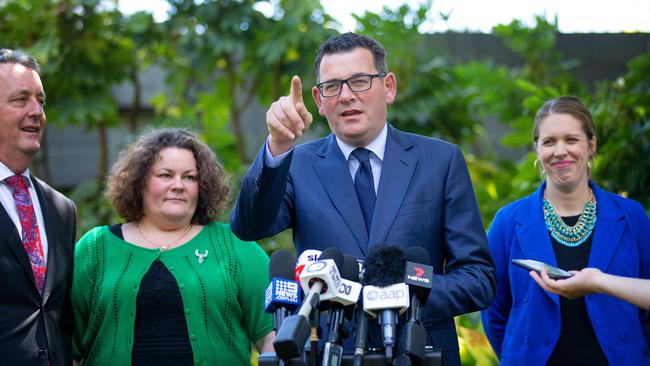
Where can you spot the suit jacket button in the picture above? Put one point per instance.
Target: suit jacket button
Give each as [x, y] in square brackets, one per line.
[42, 354]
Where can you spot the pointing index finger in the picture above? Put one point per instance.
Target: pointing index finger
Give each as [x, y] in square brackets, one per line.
[296, 90]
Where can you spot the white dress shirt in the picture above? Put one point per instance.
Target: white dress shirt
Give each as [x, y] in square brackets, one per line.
[377, 148]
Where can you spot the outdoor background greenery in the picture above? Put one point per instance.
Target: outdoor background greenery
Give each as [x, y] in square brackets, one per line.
[223, 56]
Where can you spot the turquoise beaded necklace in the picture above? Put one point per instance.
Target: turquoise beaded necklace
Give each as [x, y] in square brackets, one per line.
[570, 236]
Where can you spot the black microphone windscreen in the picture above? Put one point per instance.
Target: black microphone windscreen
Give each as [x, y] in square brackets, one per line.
[333, 254]
[282, 264]
[420, 285]
[417, 255]
[350, 270]
[384, 266]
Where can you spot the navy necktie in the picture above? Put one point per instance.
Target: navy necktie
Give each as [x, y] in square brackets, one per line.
[364, 185]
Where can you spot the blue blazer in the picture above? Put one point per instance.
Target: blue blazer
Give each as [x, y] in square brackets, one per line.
[523, 324]
[425, 198]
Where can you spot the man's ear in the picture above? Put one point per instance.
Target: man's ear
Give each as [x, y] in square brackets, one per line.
[315, 93]
[390, 87]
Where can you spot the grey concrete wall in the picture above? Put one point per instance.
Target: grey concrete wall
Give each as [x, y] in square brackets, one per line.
[600, 56]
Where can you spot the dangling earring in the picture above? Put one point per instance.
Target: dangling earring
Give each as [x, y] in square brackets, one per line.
[590, 164]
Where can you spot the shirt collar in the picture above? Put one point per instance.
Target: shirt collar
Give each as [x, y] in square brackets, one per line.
[5, 173]
[377, 146]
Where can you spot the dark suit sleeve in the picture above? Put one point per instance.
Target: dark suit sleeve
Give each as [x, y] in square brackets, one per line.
[469, 281]
[264, 205]
[495, 317]
[71, 221]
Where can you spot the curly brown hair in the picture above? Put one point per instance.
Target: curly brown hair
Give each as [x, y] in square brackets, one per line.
[127, 178]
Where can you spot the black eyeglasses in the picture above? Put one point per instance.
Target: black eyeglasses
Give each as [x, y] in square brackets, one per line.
[356, 83]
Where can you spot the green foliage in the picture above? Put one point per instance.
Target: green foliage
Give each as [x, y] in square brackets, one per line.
[474, 347]
[81, 52]
[227, 54]
[223, 56]
[428, 96]
[92, 209]
[520, 93]
[621, 111]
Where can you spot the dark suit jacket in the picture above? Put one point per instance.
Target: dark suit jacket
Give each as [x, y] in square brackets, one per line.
[425, 198]
[31, 326]
[524, 322]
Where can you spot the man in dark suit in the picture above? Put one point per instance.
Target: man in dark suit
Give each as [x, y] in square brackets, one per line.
[37, 229]
[409, 191]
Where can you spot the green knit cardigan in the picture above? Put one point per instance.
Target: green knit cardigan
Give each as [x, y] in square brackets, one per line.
[223, 296]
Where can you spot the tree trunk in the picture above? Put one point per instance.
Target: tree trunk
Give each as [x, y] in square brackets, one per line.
[102, 165]
[235, 114]
[135, 103]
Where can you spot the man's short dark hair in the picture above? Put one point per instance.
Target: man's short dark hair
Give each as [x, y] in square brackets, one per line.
[9, 56]
[347, 42]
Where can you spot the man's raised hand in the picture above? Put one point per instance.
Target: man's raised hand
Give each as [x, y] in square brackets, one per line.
[287, 119]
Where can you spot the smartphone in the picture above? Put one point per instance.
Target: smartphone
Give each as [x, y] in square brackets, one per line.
[553, 272]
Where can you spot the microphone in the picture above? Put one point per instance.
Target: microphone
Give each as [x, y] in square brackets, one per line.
[418, 274]
[385, 296]
[282, 296]
[346, 295]
[306, 257]
[320, 280]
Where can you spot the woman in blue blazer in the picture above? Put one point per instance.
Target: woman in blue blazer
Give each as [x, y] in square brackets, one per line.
[571, 223]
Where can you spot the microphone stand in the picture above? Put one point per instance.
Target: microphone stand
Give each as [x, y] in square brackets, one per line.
[314, 319]
[413, 335]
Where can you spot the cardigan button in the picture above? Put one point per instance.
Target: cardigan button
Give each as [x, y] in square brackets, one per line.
[625, 337]
[181, 285]
[187, 311]
[193, 337]
[526, 341]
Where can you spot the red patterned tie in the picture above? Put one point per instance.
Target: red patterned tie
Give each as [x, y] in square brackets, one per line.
[31, 234]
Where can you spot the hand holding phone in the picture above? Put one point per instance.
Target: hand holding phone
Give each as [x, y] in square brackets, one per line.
[532, 265]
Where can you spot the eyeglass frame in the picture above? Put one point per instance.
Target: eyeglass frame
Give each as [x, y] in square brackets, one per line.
[345, 81]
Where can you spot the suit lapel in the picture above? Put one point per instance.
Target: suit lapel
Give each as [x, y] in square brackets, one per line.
[52, 227]
[9, 235]
[609, 229]
[396, 173]
[532, 234]
[334, 174]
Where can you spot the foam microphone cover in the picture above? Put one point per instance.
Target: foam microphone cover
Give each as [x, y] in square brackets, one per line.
[281, 264]
[350, 270]
[384, 266]
[333, 254]
[417, 255]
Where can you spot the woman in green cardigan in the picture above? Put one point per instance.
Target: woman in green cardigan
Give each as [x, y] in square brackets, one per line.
[170, 286]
